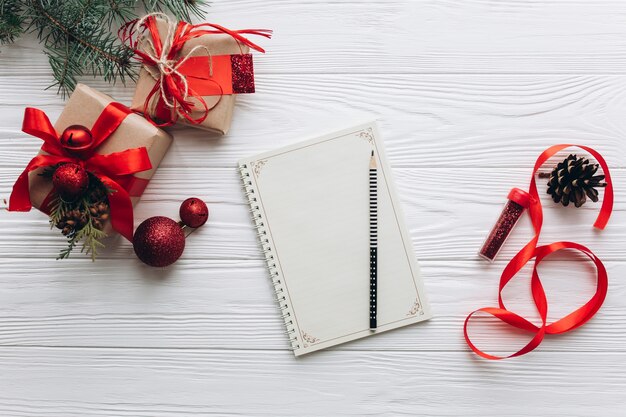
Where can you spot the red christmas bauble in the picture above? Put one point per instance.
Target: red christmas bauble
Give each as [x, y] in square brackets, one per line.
[194, 212]
[76, 139]
[159, 241]
[70, 181]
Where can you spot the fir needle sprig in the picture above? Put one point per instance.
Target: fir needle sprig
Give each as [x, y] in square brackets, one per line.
[81, 221]
[80, 36]
[90, 235]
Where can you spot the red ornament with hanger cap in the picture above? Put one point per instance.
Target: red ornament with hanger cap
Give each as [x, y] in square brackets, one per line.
[70, 181]
[76, 139]
[159, 241]
[193, 212]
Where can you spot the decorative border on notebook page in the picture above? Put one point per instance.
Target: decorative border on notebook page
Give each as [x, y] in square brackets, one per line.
[308, 339]
[417, 307]
[367, 134]
[257, 166]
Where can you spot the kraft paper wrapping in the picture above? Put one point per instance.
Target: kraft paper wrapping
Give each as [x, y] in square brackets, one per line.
[220, 116]
[83, 108]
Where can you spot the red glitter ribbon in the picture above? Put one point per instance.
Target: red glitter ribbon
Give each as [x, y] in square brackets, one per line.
[183, 80]
[115, 170]
[579, 316]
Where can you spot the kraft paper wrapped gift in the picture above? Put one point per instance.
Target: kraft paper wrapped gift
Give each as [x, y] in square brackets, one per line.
[83, 108]
[215, 46]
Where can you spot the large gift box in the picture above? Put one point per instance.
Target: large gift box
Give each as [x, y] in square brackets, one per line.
[85, 107]
[191, 73]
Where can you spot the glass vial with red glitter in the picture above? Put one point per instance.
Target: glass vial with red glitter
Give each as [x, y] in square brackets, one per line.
[518, 201]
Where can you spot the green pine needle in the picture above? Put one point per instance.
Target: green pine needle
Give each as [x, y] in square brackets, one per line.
[80, 36]
[181, 9]
[90, 236]
[58, 208]
[11, 20]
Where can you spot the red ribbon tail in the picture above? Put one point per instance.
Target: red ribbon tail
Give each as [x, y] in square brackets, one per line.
[511, 319]
[20, 196]
[121, 208]
[266, 33]
[36, 123]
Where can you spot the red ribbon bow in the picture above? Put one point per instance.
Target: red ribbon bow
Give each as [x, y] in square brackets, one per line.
[114, 170]
[186, 77]
[579, 316]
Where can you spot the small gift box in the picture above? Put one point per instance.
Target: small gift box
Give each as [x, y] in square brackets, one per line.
[190, 73]
[95, 136]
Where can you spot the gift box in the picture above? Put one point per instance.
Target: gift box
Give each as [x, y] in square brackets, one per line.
[191, 74]
[128, 136]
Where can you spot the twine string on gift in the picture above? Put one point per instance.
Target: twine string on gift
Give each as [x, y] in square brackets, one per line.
[116, 170]
[579, 316]
[161, 58]
[165, 67]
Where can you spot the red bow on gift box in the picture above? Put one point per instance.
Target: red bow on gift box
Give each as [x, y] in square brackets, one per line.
[115, 170]
[181, 81]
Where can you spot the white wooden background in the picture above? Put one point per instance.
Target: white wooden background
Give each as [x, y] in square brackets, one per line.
[467, 92]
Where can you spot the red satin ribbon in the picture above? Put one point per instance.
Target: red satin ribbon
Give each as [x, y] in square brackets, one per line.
[115, 170]
[174, 84]
[195, 69]
[579, 316]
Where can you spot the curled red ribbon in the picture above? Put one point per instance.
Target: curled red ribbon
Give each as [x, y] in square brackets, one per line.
[184, 79]
[115, 170]
[579, 316]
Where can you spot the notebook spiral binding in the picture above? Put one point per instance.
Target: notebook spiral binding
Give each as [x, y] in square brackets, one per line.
[259, 224]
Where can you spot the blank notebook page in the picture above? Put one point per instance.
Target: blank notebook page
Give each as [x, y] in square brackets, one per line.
[311, 205]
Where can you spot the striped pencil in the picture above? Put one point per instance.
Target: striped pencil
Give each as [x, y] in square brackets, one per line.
[373, 240]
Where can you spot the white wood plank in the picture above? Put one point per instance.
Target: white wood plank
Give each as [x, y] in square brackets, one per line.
[229, 305]
[419, 36]
[175, 383]
[445, 121]
[449, 213]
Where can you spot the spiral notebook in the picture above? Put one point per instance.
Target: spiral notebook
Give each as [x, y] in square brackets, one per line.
[310, 205]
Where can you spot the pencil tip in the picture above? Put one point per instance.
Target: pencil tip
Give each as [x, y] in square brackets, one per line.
[372, 161]
[372, 152]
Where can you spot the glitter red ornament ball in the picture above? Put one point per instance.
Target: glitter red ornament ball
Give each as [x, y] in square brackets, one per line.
[70, 181]
[159, 241]
[194, 212]
[76, 139]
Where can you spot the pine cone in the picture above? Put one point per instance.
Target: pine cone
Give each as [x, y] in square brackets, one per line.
[72, 221]
[99, 214]
[76, 219]
[573, 180]
[96, 194]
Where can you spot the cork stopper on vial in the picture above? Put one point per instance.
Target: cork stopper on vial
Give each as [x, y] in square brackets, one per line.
[518, 201]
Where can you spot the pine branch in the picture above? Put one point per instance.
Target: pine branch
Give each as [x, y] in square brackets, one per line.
[11, 20]
[90, 235]
[79, 36]
[118, 11]
[57, 208]
[98, 43]
[65, 68]
[80, 220]
[182, 9]
[91, 238]
[71, 244]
